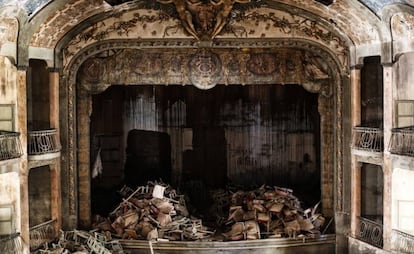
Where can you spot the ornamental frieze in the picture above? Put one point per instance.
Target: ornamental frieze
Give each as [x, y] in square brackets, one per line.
[205, 68]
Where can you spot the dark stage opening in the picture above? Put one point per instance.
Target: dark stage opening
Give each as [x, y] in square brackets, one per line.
[202, 140]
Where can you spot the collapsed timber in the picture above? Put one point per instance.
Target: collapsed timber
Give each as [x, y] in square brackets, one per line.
[158, 213]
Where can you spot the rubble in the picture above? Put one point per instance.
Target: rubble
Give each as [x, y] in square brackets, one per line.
[83, 242]
[152, 212]
[157, 212]
[274, 212]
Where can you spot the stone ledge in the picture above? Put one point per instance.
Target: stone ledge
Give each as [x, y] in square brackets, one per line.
[360, 247]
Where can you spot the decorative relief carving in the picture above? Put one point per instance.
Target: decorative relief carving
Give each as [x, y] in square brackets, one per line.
[201, 19]
[234, 57]
[262, 64]
[92, 70]
[205, 68]
[289, 24]
[100, 30]
[339, 144]
[71, 13]
[71, 150]
[249, 20]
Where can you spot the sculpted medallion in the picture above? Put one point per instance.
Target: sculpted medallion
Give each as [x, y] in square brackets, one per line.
[205, 69]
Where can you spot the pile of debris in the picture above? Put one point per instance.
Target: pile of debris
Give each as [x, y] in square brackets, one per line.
[271, 212]
[157, 212]
[150, 212]
[81, 242]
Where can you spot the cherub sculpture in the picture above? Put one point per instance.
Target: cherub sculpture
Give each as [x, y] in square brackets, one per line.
[205, 14]
[225, 7]
[185, 15]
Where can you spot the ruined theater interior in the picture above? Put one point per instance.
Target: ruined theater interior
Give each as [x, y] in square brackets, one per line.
[207, 126]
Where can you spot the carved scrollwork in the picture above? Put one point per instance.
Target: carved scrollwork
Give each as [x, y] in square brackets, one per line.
[207, 67]
[262, 64]
[91, 74]
[91, 70]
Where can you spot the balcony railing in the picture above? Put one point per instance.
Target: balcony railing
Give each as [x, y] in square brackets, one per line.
[368, 139]
[43, 142]
[370, 232]
[402, 242]
[11, 244]
[42, 234]
[10, 146]
[402, 141]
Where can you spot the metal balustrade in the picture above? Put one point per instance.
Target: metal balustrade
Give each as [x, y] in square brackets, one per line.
[10, 146]
[11, 244]
[370, 232]
[43, 142]
[368, 139]
[42, 234]
[402, 242]
[402, 141]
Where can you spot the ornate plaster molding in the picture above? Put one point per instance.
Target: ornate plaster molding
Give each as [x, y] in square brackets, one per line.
[204, 68]
[251, 25]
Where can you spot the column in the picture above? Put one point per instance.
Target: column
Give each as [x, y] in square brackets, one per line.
[21, 116]
[387, 167]
[355, 166]
[56, 191]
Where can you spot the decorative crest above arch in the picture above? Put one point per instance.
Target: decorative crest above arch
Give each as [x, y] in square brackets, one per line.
[203, 20]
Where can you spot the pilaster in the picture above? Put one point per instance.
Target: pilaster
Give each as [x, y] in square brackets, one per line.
[355, 166]
[387, 167]
[55, 175]
[84, 109]
[24, 169]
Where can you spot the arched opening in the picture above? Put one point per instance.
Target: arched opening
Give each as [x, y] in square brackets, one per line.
[98, 75]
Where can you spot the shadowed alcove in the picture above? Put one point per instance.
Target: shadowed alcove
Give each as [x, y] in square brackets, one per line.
[201, 140]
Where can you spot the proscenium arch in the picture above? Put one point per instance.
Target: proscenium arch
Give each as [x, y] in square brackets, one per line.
[77, 109]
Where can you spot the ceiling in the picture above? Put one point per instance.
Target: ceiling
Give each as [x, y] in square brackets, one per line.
[32, 6]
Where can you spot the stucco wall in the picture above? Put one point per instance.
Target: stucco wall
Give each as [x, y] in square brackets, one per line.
[10, 194]
[405, 77]
[8, 89]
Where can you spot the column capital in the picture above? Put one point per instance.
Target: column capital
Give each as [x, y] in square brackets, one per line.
[357, 67]
[22, 67]
[53, 69]
[387, 64]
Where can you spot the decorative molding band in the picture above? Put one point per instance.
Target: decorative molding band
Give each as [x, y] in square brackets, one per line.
[205, 68]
